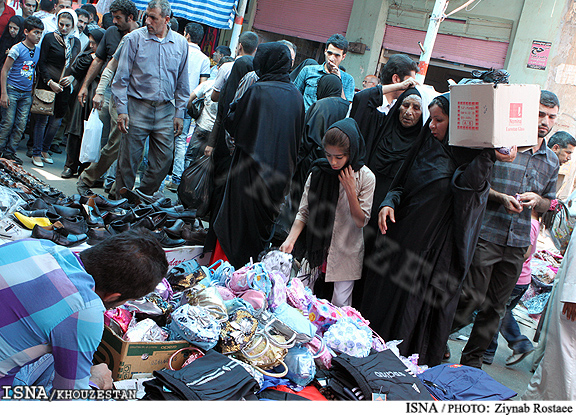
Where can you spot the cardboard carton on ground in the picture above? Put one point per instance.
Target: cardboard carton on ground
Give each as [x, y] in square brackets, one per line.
[493, 116]
[125, 359]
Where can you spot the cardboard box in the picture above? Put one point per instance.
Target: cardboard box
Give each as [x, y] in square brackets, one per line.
[488, 115]
[125, 359]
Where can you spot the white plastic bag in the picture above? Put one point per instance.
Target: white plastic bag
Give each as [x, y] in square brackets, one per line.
[90, 148]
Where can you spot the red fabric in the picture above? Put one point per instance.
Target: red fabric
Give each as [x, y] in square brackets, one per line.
[218, 254]
[6, 15]
[309, 392]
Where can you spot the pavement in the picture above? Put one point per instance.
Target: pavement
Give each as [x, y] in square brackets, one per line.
[515, 377]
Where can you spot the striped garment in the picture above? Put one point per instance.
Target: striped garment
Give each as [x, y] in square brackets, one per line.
[529, 172]
[215, 13]
[47, 305]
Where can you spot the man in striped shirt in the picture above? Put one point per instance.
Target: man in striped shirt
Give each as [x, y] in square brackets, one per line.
[53, 301]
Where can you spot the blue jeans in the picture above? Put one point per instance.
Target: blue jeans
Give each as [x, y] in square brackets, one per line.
[509, 327]
[44, 132]
[180, 150]
[14, 119]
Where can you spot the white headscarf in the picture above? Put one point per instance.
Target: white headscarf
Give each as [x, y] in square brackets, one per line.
[68, 38]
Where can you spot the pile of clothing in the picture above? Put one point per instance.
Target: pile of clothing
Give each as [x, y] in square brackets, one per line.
[543, 266]
[263, 335]
[31, 208]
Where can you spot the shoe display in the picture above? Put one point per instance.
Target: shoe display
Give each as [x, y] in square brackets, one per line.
[517, 357]
[46, 158]
[67, 173]
[10, 230]
[30, 222]
[37, 161]
[92, 214]
[175, 230]
[55, 148]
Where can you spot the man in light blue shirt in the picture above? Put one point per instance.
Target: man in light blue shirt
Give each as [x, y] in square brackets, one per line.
[152, 74]
[307, 80]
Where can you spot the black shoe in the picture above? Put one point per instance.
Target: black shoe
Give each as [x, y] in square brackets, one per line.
[166, 241]
[29, 152]
[13, 157]
[58, 237]
[67, 173]
[55, 148]
[96, 235]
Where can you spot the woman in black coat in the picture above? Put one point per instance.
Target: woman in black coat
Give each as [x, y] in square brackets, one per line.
[266, 124]
[75, 128]
[57, 53]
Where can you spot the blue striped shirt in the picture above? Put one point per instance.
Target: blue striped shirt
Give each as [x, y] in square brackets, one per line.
[529, 172]
[47, 305]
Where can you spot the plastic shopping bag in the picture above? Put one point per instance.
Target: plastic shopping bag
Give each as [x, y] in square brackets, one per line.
[90, 148]
[195, 187]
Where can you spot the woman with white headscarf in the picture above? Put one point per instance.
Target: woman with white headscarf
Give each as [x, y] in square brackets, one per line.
[57, 53]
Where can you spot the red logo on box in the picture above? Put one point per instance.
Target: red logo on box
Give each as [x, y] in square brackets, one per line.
[468, 115]
[515, 113]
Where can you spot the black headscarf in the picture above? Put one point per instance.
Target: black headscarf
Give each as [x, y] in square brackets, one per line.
[329, 85]
[395, 140]
[272, 62]
[7, 41]
[302, 65]
[324, 191]
[97, 34]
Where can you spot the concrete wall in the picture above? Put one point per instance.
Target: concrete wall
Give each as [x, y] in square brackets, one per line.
[366, 25]
[562, 69]
[540, 20]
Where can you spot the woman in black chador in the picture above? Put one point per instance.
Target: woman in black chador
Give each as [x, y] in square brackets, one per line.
[429, 224]
[266, 124]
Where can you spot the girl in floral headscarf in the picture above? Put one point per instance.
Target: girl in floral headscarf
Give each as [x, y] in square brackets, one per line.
[56, 55]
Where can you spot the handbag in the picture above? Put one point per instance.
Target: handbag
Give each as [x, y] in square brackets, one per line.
[264, 355]
[195, 325]
[208, 298]
[43, 99]
[237, 332]
[43, 102]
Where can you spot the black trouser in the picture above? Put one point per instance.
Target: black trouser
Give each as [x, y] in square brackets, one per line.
[73, 144]
[492, 277]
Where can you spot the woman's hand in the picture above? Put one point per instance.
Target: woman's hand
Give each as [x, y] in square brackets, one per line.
[54, 86]
[385, 213]
[348, 180]
[66, 81]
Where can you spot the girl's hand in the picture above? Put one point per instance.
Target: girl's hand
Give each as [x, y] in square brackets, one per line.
[287, 247]
[385, 213]
[348, 180]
